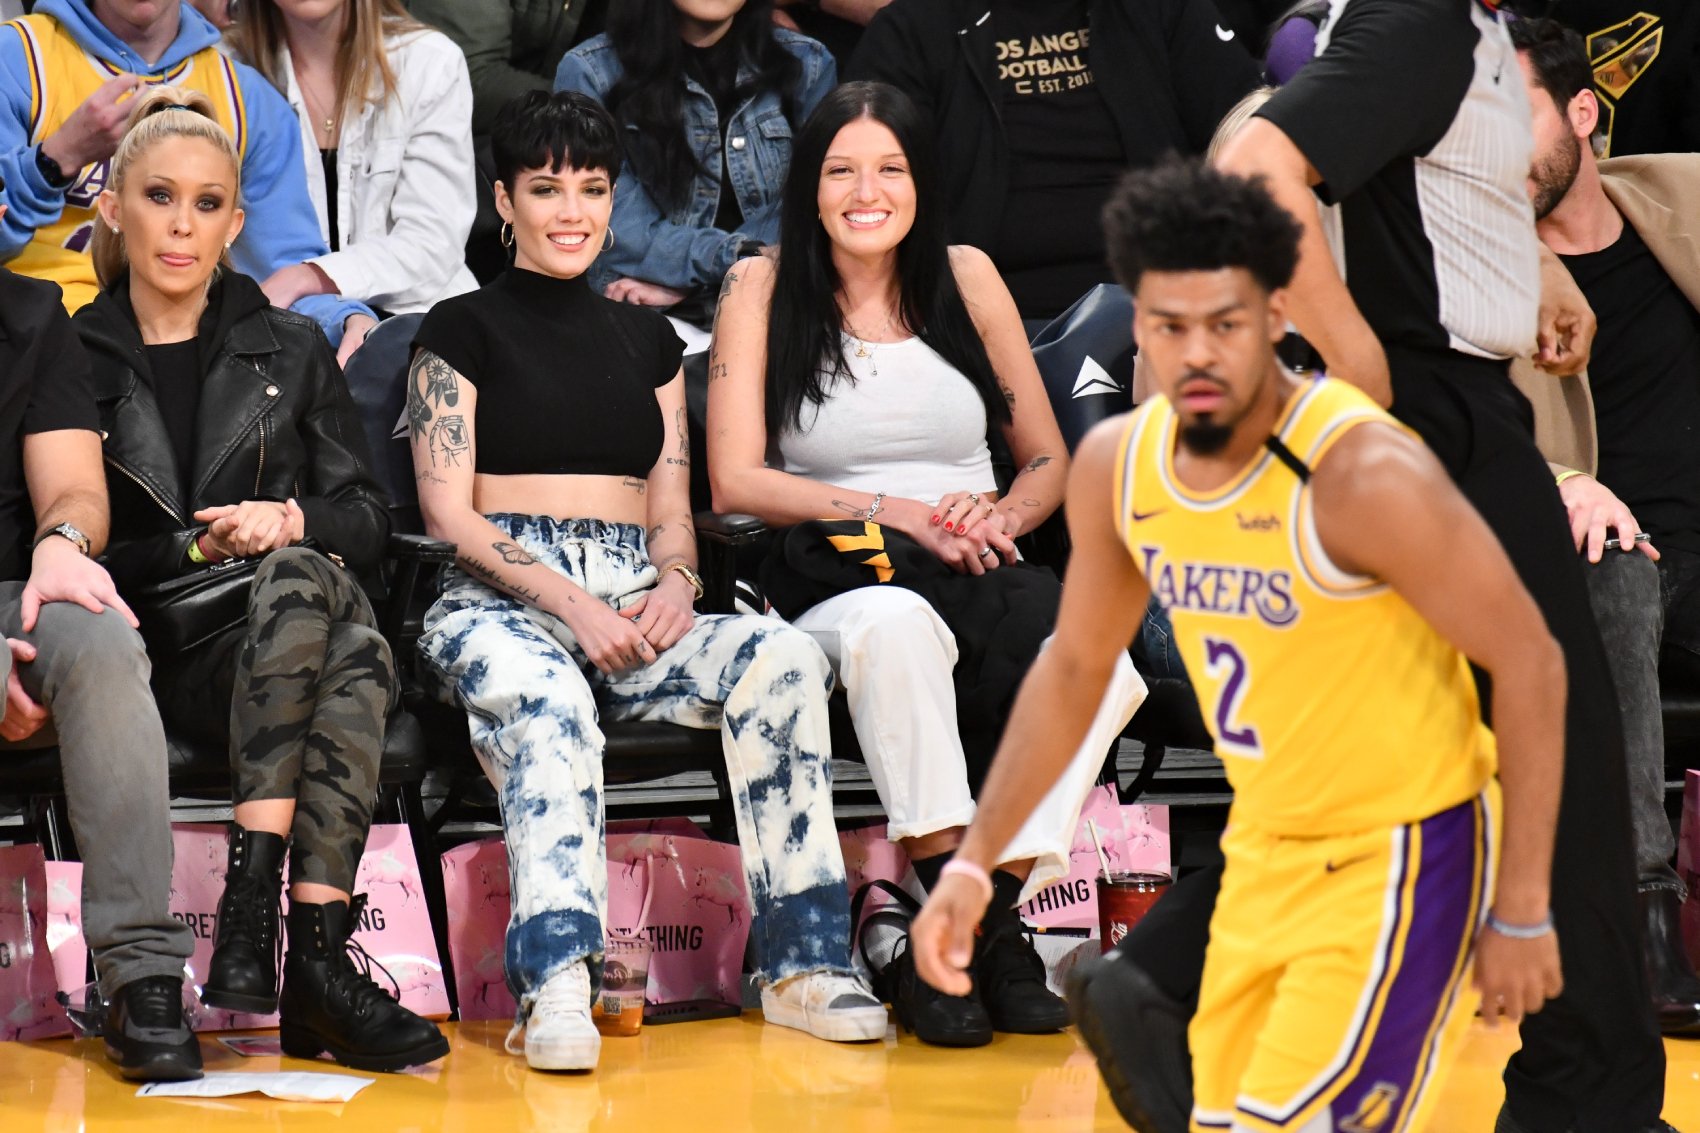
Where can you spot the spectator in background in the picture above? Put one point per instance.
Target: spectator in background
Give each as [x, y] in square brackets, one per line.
[289, 671]
[511, 46]
[836, 23]
[385, 111]
[56, 143]
[1038, 106]
[707, 93]
[1645, 56]
[1621, 440]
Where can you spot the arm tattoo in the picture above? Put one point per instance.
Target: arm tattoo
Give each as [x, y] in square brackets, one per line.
[1008, 394]
[683, 460]
[726, 284]
[851, 510]
[1031, 503]
[449, 442]
[632, 482]
[430, 477]
[511, 553]
[1037, 463]
[500, 583]
[432, 384]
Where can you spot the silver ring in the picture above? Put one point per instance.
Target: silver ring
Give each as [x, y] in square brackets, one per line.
[973, 497]
[986, 552]
[637, 618]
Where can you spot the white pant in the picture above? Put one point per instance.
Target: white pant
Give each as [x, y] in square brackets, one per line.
[894, 656]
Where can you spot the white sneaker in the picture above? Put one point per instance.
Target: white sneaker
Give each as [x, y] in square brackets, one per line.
[828, 1005]
[559, 1034]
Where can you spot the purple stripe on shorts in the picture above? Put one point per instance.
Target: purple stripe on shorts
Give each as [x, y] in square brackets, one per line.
[1448, 877]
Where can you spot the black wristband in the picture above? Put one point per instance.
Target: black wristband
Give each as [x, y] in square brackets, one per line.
[50, 171]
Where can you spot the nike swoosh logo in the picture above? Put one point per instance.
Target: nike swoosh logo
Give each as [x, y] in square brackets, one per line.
[1224, 34]
[1335, 867]
[1141, 516]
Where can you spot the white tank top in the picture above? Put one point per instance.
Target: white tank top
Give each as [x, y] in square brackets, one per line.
[907, 423]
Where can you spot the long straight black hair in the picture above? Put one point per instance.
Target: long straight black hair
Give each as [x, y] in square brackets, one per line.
[649, 98]
[805, 339]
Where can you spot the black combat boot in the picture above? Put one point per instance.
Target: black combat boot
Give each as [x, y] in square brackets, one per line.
[243, 973]
[330, 1004]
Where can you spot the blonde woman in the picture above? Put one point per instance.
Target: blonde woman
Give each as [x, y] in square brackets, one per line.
[385, 110]
[229, 435]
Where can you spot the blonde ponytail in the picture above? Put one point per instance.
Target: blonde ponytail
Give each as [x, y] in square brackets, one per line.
[157, 114]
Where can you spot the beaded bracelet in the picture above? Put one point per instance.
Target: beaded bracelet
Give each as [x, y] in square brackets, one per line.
[969, 870]
[1520, 932]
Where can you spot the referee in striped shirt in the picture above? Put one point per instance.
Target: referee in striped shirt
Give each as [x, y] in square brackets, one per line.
[1413, 119]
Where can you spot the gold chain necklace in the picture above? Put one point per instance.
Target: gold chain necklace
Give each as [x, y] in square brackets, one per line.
[314, 109]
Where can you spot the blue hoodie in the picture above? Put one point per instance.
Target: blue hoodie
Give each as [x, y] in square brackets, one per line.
[282, 228]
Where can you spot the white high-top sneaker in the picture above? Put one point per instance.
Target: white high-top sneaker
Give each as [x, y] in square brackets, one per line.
[559, 1034]
[828, 1005]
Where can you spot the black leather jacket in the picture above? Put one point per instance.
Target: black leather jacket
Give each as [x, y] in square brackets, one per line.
[275, 421]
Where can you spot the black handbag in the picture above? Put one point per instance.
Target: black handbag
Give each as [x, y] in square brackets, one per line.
[187, 611]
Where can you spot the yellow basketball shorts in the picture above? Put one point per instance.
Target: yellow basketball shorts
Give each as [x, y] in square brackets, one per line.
[1336, 985]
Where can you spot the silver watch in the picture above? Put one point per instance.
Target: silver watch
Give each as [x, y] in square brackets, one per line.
[65, 529]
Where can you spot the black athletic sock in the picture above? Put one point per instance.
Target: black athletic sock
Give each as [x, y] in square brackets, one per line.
[1006, 891]
[927, 870]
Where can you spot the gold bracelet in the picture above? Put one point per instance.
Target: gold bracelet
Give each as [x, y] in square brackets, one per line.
[691, 576]
[1563, 476]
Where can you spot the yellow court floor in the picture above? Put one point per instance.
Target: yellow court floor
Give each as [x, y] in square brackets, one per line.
[712, 1077]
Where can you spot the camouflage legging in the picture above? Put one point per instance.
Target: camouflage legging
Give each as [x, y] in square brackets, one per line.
[304, 688]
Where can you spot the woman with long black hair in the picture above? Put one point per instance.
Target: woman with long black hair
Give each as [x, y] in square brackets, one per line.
[857, 376]
[707, 94]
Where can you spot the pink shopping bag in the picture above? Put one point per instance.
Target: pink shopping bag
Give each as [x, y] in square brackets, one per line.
[1146, 829]
[699, 917]
[395, 929]
[479, 900]
[1688, 863]
[28, 1009]
[65, 925]
[1072, 901]
[870, 856]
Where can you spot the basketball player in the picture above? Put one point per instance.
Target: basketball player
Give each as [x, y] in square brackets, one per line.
[1326, 582]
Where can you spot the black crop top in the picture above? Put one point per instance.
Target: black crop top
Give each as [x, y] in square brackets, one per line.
[566, 379]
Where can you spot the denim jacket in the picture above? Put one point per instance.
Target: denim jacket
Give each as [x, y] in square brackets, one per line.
[683, 249]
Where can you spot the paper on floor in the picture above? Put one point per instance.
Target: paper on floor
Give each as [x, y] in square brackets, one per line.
[286, 1085]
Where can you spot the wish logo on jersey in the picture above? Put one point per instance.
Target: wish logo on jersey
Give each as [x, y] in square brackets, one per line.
[1215, 588]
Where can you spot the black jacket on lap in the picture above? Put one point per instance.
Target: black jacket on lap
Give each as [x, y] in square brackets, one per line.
[275, 422]
[1164, 71]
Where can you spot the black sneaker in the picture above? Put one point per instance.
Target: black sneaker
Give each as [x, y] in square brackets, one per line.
[146, 1036]
[929, 1014]
[1138, 1036]
[1010, 977]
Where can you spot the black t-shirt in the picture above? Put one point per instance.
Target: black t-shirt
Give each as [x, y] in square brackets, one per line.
[566, 379]
[1646, 58]
[44, 386]
[716, 68]
[174, 372]
[1414, 114]
[1066, 155]
[1645, 377]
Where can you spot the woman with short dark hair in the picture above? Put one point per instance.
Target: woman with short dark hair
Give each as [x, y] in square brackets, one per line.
[857, 376]
[550, 445]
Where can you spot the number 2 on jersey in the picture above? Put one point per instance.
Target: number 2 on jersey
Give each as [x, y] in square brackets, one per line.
[1224, 662]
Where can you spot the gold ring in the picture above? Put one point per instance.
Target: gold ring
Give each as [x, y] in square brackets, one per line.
[973, 497]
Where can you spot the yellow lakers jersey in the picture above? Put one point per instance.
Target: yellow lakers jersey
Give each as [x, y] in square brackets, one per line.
[62, 76]
[1334, 705]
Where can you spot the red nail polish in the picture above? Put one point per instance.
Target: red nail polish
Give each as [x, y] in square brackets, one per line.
[948, 527]
[935, 521]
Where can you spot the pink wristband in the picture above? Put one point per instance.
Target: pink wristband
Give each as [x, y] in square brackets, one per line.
[969, 870]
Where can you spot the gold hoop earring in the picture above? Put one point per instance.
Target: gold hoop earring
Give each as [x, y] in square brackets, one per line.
[507, 234]
[609, 243]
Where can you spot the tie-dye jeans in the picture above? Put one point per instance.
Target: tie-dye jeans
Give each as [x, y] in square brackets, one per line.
[533, 701]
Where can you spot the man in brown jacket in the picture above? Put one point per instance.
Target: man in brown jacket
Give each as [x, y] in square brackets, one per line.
[1624, 439]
